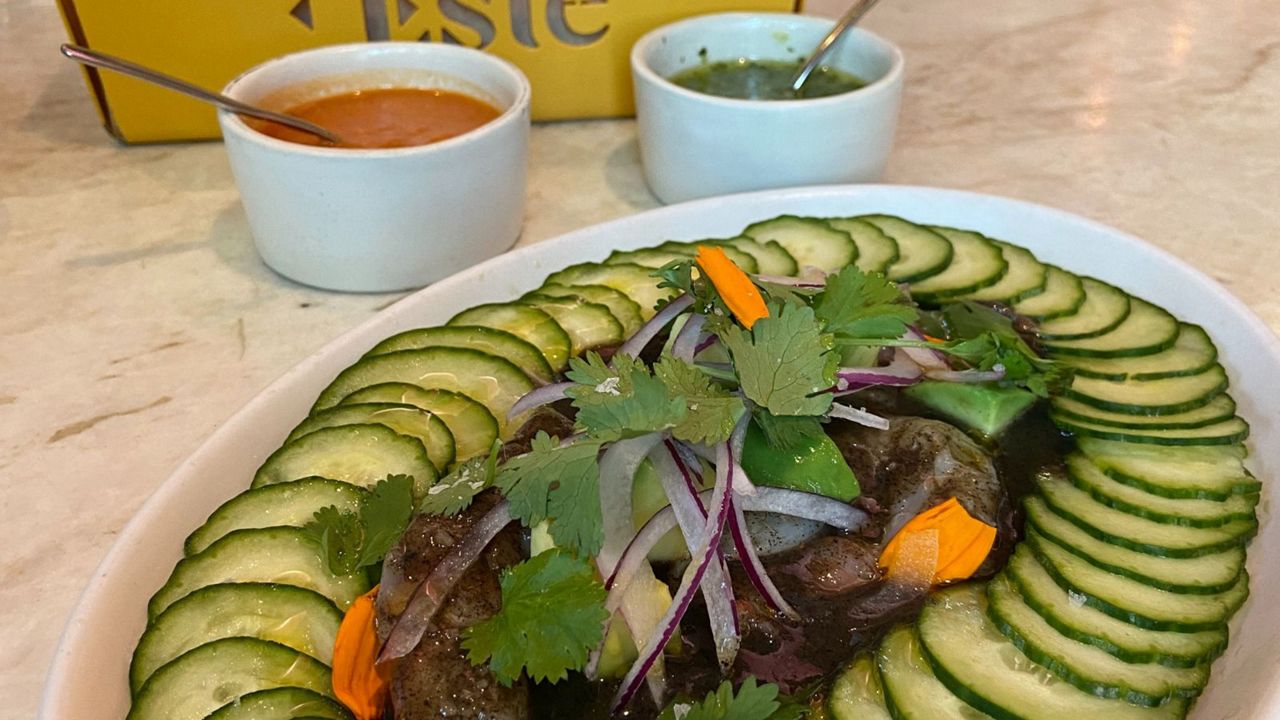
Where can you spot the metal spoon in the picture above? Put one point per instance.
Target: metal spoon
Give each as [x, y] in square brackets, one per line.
[846, 21]
[110, 62]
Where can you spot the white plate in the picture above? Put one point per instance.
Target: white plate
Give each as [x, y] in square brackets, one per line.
[89, 673]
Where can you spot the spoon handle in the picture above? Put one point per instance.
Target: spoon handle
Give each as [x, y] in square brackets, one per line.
[849, 19]
[110, 62]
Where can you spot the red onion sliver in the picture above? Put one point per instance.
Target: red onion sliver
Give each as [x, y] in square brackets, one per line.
[858, 415]
[686, 344]
[967, 376]
[750, 560]
[650, 330]
[538, 397]
[927, 358]
[809, 506]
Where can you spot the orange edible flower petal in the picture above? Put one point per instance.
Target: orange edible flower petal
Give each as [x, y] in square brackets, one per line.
[735, 287]
[963, 542]
[357, 680]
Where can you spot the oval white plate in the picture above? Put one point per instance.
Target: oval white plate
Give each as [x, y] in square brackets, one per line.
[89, 673]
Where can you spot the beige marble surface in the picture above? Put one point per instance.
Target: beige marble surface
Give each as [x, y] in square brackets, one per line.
[135, 316]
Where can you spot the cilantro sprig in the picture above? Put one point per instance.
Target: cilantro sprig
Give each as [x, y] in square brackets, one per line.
[785, 362]
[751, 702]
[986, 339]
[855, 304]
[455, 491]
[353, 540]
[561, 482]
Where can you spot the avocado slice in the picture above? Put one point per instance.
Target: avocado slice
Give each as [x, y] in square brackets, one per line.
[813, 465]
[987, 409]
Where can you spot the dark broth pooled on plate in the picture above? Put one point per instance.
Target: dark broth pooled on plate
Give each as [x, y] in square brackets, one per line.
[748, 79]
[385, 117]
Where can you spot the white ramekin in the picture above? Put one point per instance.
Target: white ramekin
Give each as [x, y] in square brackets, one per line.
[695, 145]
[381, 220]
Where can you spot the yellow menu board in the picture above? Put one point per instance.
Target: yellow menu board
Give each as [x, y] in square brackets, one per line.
[575, 52]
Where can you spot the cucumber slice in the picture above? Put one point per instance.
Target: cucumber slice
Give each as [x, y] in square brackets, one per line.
[1025, 277]
[357, 454]
[283, 555]
[911, 691]
[1220, 408]
[288, 504]
[1104, 307]
[1226, 432]
[1191, 354]
[652, 258]
[473, 427]
[1088, 668]
[922, 253]
[1211, 473]
[741, 258]
[205, 679]
[300, 619]
[1135, 501]
[492, 341]
[1166, 396]
[490, 380]
[590, 325]
[856, 693]
[634, 281]
[536, 326]
[876, 251]
[1146, 330]
[1093, 627]
[1129, 531]
[1205, 575]
[623, 308]
[811, 241]
[405, 419]
[976, 263]
[978, 664]
[1063, 294]
[1132, 601]
[286, 703]
[771, 258]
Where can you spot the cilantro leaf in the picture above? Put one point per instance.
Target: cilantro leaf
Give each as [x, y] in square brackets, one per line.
[752, 702]
[455, 491]
[339, 535]
[552, 615]
[862, 305]
[786, 431]
[785, 361]
[352, 540]
[986, 338]
[561, 483]
[621, 401]
[712, 411]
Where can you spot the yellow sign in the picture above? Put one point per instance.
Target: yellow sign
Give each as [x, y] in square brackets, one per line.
[575, 52]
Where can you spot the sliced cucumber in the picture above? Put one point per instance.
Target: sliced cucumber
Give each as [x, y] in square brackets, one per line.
[922, 253]
[1191, 354]
[1146, 330]
[976, 263]
[288, 504]
[357, 454]
[286, 703]
[1088, 668]
[771, 258]
[492, 341]
[741, 258]
[589, 325]
[536, 326]
[1211, 473]
[652, 258]
[1220, 408]
[856, 693]
[405, 419]
[283, 555]
[1132, 601]
[1166, 396]
[1130, 531]
[1071, 617]
[474, 428]
[911, 691]
[490, 380]
[634, 281]
[1025, 277]
[978, 664]
[623, 308]
[1135, 501]
[1225, 432]
[208, 677]
[876, 251]
[1104, 307]
[294, 617]
[811, 241]
[1204, 575]
[1063, 294]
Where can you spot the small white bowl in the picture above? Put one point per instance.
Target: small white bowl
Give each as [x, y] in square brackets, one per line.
[387, 219]
[696, 145]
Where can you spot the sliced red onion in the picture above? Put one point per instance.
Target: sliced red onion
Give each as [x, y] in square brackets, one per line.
[642, 543]
[686, 344]
[432, 593]
[810, 506]
[901, 372]
[751, 564]
[858, 415]
[705, 342]
[927, 358]
[742, 484]
[650, 330]
[967, 376]
[538, 397]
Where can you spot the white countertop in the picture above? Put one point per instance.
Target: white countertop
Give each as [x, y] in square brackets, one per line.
[135, 316]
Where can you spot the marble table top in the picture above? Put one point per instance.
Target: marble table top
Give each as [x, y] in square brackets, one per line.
[135, 316]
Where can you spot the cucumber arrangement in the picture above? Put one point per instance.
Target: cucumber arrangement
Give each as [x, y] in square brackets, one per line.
[1114, 606]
